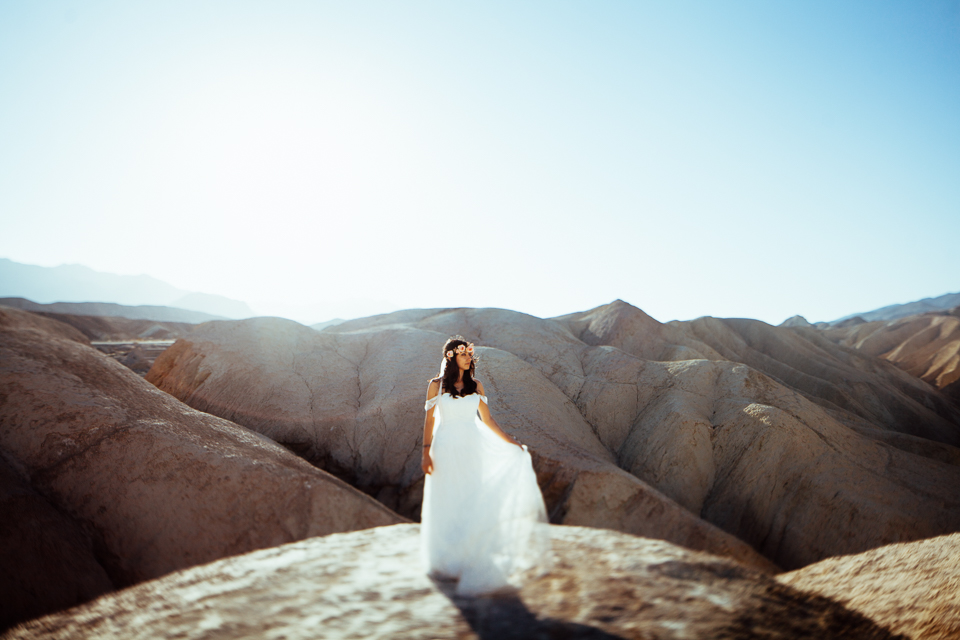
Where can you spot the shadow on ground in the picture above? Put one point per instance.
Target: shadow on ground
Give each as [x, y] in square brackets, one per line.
[504, 616]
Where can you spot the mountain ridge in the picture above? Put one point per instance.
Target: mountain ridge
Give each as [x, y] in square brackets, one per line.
[78, 283]
[111, 309]
[895, 311]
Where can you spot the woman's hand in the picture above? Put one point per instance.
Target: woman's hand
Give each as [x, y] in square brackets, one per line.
[427, 463]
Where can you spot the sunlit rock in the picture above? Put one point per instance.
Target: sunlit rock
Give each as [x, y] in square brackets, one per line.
[352, 403]
[369, 584]
[910, 588]
[634, 444]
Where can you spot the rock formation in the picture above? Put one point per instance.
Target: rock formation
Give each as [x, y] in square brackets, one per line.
[352, 404]
[369, 584]
[926, 346]
[628, 418]
[796, 321]
[47, 561]
[115, 328]
[158, 485]
[134, 343]
[910, 588]
[858, 389]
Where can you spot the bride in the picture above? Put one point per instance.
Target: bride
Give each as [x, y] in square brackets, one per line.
[483, 519]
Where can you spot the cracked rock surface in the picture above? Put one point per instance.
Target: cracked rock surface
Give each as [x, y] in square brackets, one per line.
[368, 584]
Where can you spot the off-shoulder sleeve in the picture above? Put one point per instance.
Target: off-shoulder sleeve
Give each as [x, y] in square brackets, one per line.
[429, 404]
[484, 398]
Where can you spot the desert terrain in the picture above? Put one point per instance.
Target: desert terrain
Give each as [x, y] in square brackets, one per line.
[707, 478]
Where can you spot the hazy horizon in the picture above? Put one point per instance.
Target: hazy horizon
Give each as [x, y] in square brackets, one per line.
[321, 160]
[175, 299]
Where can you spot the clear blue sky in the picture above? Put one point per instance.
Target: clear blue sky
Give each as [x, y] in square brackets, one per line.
[750, 159]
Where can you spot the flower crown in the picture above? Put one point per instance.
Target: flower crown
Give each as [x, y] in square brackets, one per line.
[461, 348]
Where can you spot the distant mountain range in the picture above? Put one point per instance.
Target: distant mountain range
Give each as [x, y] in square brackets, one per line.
[146, 297]
[894, 311]
[76, 283]
[891, 312]
[111, 310]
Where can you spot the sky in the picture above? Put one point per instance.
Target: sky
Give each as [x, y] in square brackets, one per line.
[321, 159]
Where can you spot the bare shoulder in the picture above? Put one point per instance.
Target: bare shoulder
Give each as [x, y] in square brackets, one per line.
[433, 387]
[479, 387]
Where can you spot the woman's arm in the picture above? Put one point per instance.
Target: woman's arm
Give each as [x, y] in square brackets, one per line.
[490, 422]
[426, 462]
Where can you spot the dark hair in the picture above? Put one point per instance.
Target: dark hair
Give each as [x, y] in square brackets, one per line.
[452, 370]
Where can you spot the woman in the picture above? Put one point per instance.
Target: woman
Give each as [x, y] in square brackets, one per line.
[483, 519]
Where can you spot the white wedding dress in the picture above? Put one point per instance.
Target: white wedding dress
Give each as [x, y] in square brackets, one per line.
[483, 518]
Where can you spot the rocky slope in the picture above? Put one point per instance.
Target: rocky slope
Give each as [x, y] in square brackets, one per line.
[132, 342]
[157, 485]
[47, 560]
[856, 388]
[623, 439]
[369, 584]
[910, 588]
[117, 329]
[926, 346]
[353, 404]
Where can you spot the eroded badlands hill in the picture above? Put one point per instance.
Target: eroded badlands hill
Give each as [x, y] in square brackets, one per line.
[369, 584]
[353, 404]
[152, 484]
[863, 392]
[107, 328]
[926, 346]
[624, 437]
